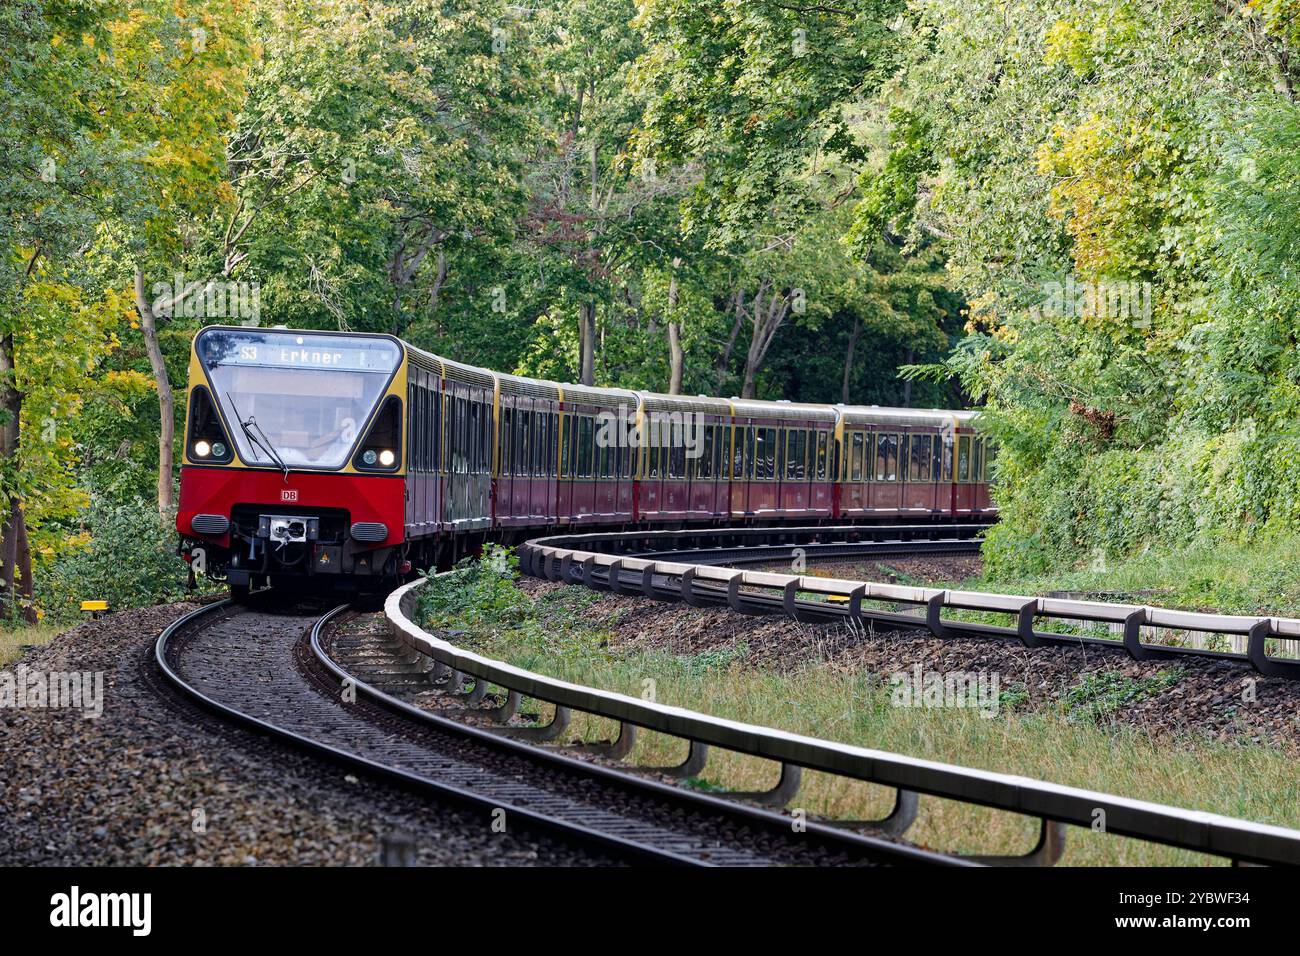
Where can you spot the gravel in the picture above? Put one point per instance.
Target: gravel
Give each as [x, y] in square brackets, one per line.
[134, 785]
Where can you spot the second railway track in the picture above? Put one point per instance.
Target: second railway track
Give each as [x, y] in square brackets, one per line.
[271, 668]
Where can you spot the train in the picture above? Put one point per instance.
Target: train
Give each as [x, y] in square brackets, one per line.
[346, 461]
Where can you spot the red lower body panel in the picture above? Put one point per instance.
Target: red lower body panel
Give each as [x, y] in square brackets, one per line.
[215, 491]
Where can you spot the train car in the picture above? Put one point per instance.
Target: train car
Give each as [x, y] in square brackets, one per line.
[681, 464]
[772, 443]
[907, 463]
[344, 461]
[596, 482]
[294, 463]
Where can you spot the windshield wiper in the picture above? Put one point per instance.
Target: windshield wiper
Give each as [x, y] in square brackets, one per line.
[268, 448]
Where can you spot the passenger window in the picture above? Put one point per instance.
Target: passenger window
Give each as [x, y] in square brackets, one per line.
[963, 458]
[855, 457]
[677, 461]
[977, 472]
[823, 441]
[918, 466]
[585, 447]
[507, 441]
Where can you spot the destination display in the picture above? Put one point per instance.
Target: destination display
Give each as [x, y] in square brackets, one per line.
[290, 350]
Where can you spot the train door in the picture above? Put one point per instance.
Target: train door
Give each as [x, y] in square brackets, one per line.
[820, 467]
[918, 493]
[702, 500]
[788, 497]
[964, 488]
[853, 494]
[564, 481]
[886, 487]
[742, 455]
[549, 461]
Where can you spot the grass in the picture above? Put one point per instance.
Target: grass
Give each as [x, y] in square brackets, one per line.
[551, 635]
[1229, 577]
[1257, 579]
[14, 636]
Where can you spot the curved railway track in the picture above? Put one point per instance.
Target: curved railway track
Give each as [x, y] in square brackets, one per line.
[705, 567]
[273, 669]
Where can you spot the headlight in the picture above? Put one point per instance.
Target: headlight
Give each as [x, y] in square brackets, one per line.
[202, 449]
[386, 458]
[369, 456]
[219, 449]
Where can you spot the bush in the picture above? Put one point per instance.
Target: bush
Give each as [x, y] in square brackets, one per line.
[479, 593]
[128, 558]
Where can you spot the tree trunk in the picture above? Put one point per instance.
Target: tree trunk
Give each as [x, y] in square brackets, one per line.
[587, 344]
[166, 400]
[23, 563]
[16, 583]
[9, 554]
[848, 359]
[907, 382]
[767, 314]
[724, 360]
[676, 359]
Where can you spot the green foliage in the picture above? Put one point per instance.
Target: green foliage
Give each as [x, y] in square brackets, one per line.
[1101, 693]
[1149, 149]
[124, 554]
[715, 659]
[755, 91]
[479, 594]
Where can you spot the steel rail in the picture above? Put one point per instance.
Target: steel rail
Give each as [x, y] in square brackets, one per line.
[863, 846]
[1054, 805]
[584, 835]
[883, 849]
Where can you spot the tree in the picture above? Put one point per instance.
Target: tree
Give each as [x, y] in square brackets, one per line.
[755, 92]
[180, 83]
[62, 161]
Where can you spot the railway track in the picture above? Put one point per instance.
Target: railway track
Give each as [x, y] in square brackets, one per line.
[706, 567]
[288, 672]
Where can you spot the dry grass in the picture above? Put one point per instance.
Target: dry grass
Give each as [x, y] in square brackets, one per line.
[1253, 782]
[14, 637]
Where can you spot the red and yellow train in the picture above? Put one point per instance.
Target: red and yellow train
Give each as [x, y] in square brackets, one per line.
[346, 460]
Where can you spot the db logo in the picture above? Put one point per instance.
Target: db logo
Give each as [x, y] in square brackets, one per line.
[289, 494]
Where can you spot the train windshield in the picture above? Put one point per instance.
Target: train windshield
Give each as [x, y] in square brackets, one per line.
[299, 397]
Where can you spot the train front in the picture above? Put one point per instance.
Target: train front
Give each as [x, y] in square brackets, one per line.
[292, 472]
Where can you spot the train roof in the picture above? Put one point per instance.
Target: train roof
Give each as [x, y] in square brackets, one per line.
[703, 404]
[656, 401]
[795, 411]
[884, 415]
